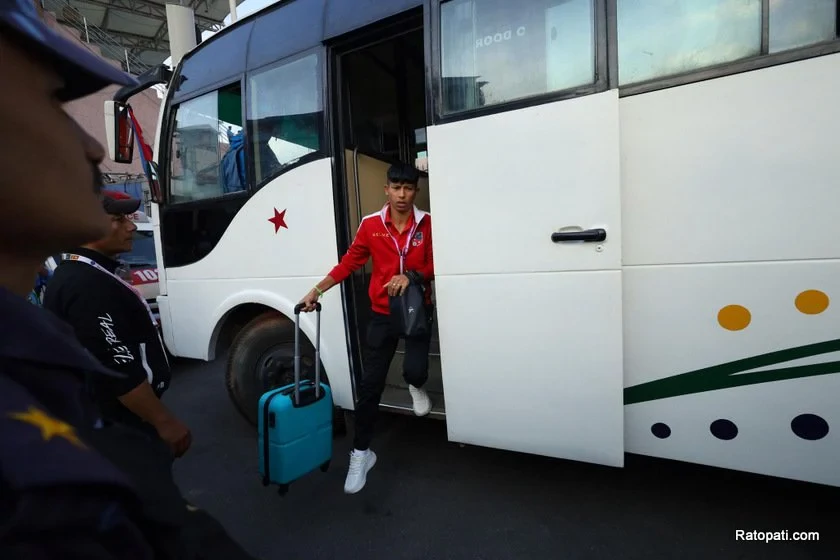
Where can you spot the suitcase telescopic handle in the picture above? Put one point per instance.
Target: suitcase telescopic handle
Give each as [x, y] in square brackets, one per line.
[298, 308]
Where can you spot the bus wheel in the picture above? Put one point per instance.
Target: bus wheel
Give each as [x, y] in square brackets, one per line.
[262, 358]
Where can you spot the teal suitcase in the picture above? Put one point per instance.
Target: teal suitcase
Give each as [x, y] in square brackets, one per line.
[295, 422]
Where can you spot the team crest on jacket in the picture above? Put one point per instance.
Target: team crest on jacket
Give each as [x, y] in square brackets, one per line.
[418, 239]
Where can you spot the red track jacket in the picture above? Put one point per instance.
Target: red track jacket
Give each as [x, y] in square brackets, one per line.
[378, 238]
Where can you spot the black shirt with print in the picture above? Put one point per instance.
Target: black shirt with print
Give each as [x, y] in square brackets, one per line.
[110, 320]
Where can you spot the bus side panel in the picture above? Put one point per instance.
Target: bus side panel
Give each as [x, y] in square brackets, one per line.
[167, 327]
[200, 304]
[740, 168]
[729, 201]
[679, 321]
[279, 245]
[286, 229]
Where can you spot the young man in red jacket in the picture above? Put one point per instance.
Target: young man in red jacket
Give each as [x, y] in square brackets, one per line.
[399, 240]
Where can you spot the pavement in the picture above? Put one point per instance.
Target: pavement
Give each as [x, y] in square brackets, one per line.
[427, 498]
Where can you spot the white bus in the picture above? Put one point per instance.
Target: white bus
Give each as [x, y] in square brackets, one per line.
[636, 203]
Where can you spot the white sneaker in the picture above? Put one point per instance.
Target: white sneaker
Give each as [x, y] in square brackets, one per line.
[360, 463]
[421, 400]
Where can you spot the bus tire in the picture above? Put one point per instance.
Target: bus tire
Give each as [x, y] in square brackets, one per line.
[261, 358]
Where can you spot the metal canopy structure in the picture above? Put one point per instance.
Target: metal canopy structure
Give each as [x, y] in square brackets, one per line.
[132, 31]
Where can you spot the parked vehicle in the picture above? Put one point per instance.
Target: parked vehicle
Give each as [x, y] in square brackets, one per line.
[142, 262]
[634, 215]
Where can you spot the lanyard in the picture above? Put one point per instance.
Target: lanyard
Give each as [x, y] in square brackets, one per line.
[97, 266]
[402, 252]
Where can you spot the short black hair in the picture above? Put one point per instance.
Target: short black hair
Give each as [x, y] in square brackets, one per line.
[403, 173]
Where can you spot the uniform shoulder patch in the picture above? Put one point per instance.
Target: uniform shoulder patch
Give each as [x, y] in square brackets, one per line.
[49, 426]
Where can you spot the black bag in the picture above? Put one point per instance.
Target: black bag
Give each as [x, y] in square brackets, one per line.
[408, 312]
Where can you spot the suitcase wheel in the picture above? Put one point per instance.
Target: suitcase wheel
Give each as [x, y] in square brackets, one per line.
[283, 489]
[325, 467]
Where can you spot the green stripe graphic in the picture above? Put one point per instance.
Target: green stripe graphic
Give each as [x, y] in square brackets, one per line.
[727, 375]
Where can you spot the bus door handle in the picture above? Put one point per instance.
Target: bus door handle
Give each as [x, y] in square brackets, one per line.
[586, 235]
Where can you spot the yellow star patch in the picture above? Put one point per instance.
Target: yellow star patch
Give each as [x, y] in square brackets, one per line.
[50, 427]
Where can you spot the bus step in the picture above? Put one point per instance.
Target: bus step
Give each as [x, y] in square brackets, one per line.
[397, 399]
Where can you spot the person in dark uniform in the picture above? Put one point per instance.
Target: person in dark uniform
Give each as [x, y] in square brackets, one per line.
[70, 486]
[59, 497]
[115, 323]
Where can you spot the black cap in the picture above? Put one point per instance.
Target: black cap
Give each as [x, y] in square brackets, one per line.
[83, 71]
[117, 203]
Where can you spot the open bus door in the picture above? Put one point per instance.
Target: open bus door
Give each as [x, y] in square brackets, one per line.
[527, 242]
[530, 321]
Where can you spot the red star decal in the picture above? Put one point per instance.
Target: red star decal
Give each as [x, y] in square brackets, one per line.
[279, 220]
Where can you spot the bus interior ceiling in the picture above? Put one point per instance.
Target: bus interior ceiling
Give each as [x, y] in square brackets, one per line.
[384, 121]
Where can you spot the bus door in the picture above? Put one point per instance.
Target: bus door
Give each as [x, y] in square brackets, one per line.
[526, 217]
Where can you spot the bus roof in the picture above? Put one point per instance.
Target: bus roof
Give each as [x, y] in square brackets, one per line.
[276, 32]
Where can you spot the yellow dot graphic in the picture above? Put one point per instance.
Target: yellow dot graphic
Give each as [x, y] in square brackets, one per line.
[812, 302]
[734, 317]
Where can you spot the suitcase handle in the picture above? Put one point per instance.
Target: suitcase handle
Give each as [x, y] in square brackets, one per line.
[298, 308]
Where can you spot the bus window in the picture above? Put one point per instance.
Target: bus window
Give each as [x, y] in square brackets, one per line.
[657, 39]
[284, 115]
[801, 23]
[207, 158]
[495, 51]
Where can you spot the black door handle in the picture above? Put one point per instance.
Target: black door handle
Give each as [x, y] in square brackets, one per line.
[588, 235]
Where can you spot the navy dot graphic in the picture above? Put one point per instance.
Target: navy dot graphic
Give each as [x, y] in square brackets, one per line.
[724, 429]
[660, 430]
[809, 426]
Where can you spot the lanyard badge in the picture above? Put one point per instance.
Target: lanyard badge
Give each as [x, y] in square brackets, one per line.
[404, 251]
[97, 266]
